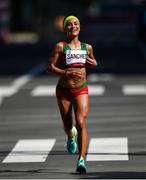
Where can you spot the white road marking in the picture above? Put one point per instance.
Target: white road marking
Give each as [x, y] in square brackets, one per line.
[96, 90]
[44, 91]
[94, 77]
[49, 90]
[108, 149]
[7, 91]
[32, 150]
[134, 89]
[21, 81]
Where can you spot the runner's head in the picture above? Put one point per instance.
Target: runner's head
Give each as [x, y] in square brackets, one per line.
[71, 25]
[68, 18]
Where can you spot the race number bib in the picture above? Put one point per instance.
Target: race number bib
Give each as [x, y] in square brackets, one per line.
[76, 56]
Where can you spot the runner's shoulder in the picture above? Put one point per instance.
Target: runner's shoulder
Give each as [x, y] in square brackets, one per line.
[88, 46]
[59, 46]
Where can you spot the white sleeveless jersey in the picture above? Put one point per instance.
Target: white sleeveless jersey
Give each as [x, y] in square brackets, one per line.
[75, 57]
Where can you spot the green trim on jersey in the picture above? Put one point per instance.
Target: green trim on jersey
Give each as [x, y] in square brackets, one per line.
[83, 47]
[66, 47]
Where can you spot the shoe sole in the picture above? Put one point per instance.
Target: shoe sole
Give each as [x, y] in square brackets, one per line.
[81, 170]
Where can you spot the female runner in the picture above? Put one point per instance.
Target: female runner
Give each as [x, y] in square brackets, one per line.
[69, 60]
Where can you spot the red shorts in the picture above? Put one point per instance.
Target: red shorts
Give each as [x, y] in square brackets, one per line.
[70, 93]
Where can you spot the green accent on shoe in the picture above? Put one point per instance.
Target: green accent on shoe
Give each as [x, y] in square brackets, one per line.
[71, 143]
[81, 167]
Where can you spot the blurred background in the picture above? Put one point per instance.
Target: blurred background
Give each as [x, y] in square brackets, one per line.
[116, 29]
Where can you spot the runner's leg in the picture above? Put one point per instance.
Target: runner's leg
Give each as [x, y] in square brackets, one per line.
[81, 110]
[65, 108]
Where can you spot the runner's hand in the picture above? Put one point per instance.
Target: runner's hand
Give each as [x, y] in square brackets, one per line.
[90, 61]
[73, 74]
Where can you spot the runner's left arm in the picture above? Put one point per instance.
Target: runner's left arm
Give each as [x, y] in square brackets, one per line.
[91, 59]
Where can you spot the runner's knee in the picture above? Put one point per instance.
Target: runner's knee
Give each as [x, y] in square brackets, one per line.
[81, 122]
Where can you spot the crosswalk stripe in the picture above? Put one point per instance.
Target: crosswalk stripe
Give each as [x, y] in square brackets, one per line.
[100, 149]
[32, 150]
[44, 91]
[7, 91]
[134, 89]
[18, 83]
[108, 149]
[94, 90]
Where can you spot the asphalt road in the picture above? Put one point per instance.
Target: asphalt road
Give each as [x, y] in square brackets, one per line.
[30, 125]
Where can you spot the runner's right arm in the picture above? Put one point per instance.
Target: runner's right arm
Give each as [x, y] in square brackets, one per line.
[53, 60]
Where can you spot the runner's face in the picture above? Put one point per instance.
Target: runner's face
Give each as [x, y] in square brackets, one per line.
[72, 28]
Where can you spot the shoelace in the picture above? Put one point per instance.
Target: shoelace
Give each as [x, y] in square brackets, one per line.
[81, 161]
[69, 139]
